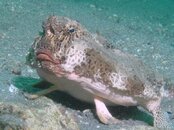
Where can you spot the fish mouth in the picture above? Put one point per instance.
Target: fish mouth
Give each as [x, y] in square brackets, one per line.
[45, 55]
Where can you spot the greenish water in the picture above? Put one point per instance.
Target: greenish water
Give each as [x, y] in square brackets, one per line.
[144, 28]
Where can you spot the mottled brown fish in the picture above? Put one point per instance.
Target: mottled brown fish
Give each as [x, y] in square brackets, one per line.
[81, 64]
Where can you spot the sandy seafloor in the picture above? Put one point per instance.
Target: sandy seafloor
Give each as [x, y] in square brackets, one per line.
[144, 28]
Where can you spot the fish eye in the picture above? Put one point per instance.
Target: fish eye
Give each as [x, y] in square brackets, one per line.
[71, 30]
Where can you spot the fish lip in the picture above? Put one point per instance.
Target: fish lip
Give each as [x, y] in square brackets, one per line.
[45, 55]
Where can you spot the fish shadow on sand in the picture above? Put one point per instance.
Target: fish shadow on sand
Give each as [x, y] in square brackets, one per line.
[31, 85]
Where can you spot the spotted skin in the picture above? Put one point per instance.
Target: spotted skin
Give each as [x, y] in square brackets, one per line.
[79, 63]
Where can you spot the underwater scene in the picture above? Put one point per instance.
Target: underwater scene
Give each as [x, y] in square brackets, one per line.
[86, 64]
